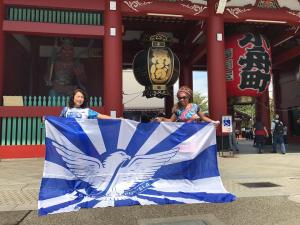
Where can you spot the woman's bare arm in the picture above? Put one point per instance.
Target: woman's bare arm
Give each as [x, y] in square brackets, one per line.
[207, 119]
[267, 133]
[163, 119]
[102, 116]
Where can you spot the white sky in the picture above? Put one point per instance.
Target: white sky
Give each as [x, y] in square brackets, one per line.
[200, 82]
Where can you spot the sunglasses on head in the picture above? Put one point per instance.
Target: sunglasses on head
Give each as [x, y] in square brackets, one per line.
[183, 97]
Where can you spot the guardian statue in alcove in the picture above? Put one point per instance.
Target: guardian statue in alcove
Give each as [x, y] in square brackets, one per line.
[65, 72]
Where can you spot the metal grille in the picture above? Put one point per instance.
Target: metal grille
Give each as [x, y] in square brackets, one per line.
[260, 185]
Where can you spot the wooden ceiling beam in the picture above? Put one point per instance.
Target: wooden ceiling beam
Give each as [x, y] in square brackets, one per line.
[155, 26]
[195, 33]
[197, 54]
[286, 56]
[286, 35]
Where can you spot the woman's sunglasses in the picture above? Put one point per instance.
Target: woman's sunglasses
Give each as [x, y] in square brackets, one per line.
[183, 97]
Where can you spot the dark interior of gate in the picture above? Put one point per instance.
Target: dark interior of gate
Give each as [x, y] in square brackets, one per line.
[28, 59]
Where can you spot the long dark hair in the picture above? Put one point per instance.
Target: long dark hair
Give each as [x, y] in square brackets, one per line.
[71, 100]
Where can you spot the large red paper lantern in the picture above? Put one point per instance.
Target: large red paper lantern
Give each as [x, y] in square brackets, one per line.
[248, 65]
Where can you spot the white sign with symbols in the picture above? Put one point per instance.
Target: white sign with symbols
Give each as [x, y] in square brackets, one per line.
[226, 124]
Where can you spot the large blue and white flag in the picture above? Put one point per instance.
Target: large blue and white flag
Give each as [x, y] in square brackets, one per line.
[99, 163]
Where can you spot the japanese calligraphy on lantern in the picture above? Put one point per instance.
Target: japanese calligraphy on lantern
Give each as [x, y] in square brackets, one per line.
[248, 65]
[160, 68]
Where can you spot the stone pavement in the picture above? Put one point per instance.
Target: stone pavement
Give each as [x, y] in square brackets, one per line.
[276, 202]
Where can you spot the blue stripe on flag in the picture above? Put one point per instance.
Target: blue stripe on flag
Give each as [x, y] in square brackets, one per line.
[203, 166]
[51, 209]
[70, 128]
[142, 133]
[51, 187]
[52, 155]
[110, 133]
[151, 195]
[126, 202]
[159, 200]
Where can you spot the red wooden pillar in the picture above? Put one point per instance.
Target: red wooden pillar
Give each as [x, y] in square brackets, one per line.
[217, 95]
[112, 45]
[186, 75]
[263, 109]
[1, 51]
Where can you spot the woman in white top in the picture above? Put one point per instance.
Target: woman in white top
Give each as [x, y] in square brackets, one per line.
[78, 107]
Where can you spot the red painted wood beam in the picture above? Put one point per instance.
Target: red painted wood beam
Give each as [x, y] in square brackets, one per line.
[261, 14]
[197, 54]
[48, 29]
[32, 111]
[90, 5]
[189, 11]
[22, 151]
[286, 56]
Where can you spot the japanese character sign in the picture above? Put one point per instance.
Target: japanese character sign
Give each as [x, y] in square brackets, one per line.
[248, 65]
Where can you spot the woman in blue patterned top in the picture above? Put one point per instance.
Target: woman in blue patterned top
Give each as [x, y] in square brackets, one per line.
[185, 110]
[78, 107]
